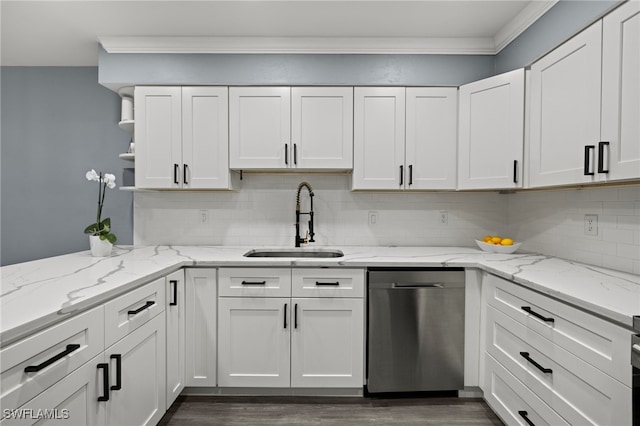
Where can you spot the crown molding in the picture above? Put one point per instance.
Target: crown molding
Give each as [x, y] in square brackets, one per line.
[523, 20]
[300, 45]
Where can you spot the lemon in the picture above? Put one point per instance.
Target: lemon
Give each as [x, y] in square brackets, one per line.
[506, 242]
[496, 239]
[486, 238]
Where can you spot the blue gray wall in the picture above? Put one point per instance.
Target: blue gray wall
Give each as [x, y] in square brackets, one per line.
[57, 123]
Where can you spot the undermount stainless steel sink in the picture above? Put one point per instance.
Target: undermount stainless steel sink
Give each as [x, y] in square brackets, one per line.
[294, 252]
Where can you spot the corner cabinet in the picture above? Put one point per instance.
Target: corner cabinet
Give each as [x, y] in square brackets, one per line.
[404, 138]
[181, 136]
[491, 136]
[585, 103]
[285, 128]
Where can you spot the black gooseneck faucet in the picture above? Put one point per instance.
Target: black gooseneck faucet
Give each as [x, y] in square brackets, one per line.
[310, 239]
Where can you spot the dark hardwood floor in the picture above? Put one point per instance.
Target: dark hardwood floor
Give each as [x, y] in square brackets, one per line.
[304, 410]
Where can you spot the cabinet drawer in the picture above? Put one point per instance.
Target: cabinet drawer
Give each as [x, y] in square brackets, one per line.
[254, 282]
[131, 310]
[577, 391]
[52, 352]
[597, 341]
[512, 400]
[335, 282]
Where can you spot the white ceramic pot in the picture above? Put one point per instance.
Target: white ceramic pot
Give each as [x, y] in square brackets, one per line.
[99, 248]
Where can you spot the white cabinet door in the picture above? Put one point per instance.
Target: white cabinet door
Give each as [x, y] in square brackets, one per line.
[158, 137]
[327, 343]
[201, 342]
[71, 401]
[322, 127]
[378, 138]
[175, 317]
[254, 347]
[137, 383]
[621, 93]
[431, 127]
[492, 132]
[205, 138]
[259, 127]
[565, 111]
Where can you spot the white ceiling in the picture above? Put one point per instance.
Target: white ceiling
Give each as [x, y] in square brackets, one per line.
[59, 33]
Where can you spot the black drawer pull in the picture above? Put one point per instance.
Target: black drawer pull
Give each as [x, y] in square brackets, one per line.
[185, 171]
[286, 154]
[515, 171]
[337, 283]
[528, 310]
[524, 415]
[526, 356]
[118, 359]
[587, 159]
[410, 174]
[176, 172]
[67, 351]
[295, 153]
[285, 315]
[105, 381]
[142, 308]
[174, 283]
[295, 316]
[401, 175]
[254, 283]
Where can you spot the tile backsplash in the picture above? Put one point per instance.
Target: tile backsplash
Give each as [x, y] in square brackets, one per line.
[261, 212]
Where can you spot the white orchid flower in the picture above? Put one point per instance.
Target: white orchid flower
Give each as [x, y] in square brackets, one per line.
[92, 175]
[110, 180]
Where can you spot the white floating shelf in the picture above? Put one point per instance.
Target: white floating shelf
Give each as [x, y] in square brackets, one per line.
[127, 125]
[129, 188]
[127, 156]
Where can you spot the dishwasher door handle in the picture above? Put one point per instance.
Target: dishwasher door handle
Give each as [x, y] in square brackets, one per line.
[417, 285]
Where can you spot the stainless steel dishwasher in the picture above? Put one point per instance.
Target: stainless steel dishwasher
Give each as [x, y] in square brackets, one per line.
[415, 330]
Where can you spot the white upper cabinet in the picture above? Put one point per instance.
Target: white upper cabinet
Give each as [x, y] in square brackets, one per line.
[492, 132]
[322, 127]
[291, 128]
[259, 127]
[182, 139]
[621, 93]
[378, 138]
[431, 135]
[404, 138]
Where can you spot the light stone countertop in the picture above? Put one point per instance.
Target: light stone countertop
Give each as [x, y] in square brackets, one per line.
[37, 294]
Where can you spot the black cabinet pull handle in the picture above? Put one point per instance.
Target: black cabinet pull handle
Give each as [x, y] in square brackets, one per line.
[524, 415]
[515, 171]
[142, 308]
[286, 154]
[528, 310]
[174, 283]
[254, 282]
[587, 159]
[185, 169]
[67, 351]
[601, 146]
[285, 315]
[526, 356]
[118, 359]
[176, 172]
[401, 174]
[295, 316]
[334, 284]
[105, 381]
[295, 154]
[410, 174]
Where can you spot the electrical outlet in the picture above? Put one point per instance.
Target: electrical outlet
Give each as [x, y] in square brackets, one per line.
[591, 224]
[373, 218]
[443, 218]
[203, 217]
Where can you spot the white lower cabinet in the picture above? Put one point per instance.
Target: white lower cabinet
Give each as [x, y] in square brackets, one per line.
[553, 362]
[254, 343]
[327, 343]
[200, 338]
[298, 342]
[176, 329]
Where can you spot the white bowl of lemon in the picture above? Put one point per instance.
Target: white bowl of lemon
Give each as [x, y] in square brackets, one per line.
[498, 244]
